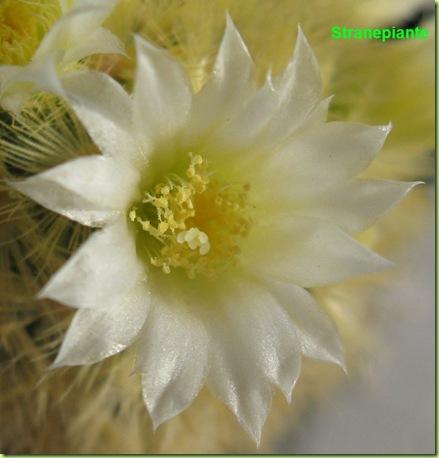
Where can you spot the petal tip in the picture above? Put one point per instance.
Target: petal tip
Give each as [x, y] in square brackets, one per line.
[288, 394]
[301, 39]
[58, 363]
[341, 362]
[383, 263]
[156, 419]
[387, 128]
[145, 45]
[232, 36]
[230, 24]
[42, 294]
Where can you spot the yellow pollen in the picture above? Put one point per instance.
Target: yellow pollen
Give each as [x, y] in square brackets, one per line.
[193, 223]
[132, 215]
[145, 225]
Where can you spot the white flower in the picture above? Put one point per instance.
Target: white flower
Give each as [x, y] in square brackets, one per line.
[76, 35]
[217, 210]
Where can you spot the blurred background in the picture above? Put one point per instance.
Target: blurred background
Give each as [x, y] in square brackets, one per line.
[393, 409]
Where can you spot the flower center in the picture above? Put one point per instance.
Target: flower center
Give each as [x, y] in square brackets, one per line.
[192, 222]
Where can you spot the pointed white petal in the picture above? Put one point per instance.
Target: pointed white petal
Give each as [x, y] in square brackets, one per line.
[100, 41]
[70, 29]
[172, 357]
[228, 88]
[105, 110]
[302, 72]
[317, 334]
[356, 205]
[324, 156]
[162, 94]
[307, 252]
[233, 65]
[72, 37]
[317, 116]
[95, 334]
[300, 89]
[236, 379]
[242, 129]
[18, 84]
[43, 74]
[91, 190]
[243, 133]
[100, 273]
[265, 330]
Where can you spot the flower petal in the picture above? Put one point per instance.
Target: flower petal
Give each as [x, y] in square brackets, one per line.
[71, 38]
[236, 379]
[100, 41]
[172, 357]
[317, 333]
[307, 252]
[105, 110]
[100, 273]
[356, 205]
[299, 88]
[95, 334]
[162, 94]
[91, 190]
[71, 29]
[228, 87]
[324, 156]
[317, 116]
[241, 130]
[18, 84]
[271, 340]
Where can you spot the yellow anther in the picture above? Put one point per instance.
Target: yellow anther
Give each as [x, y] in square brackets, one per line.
[198, 160]
[205, 248]
[163, 227]
[190, 172]
[132, 214]
[154, 262]
[202, 237]
[145, 225]
[166, 269]
[161, 202]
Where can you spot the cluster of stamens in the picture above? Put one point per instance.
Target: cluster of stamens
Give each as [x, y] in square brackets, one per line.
[192, 222]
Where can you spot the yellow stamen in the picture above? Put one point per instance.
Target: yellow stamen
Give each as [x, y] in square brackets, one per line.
[194, 223]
